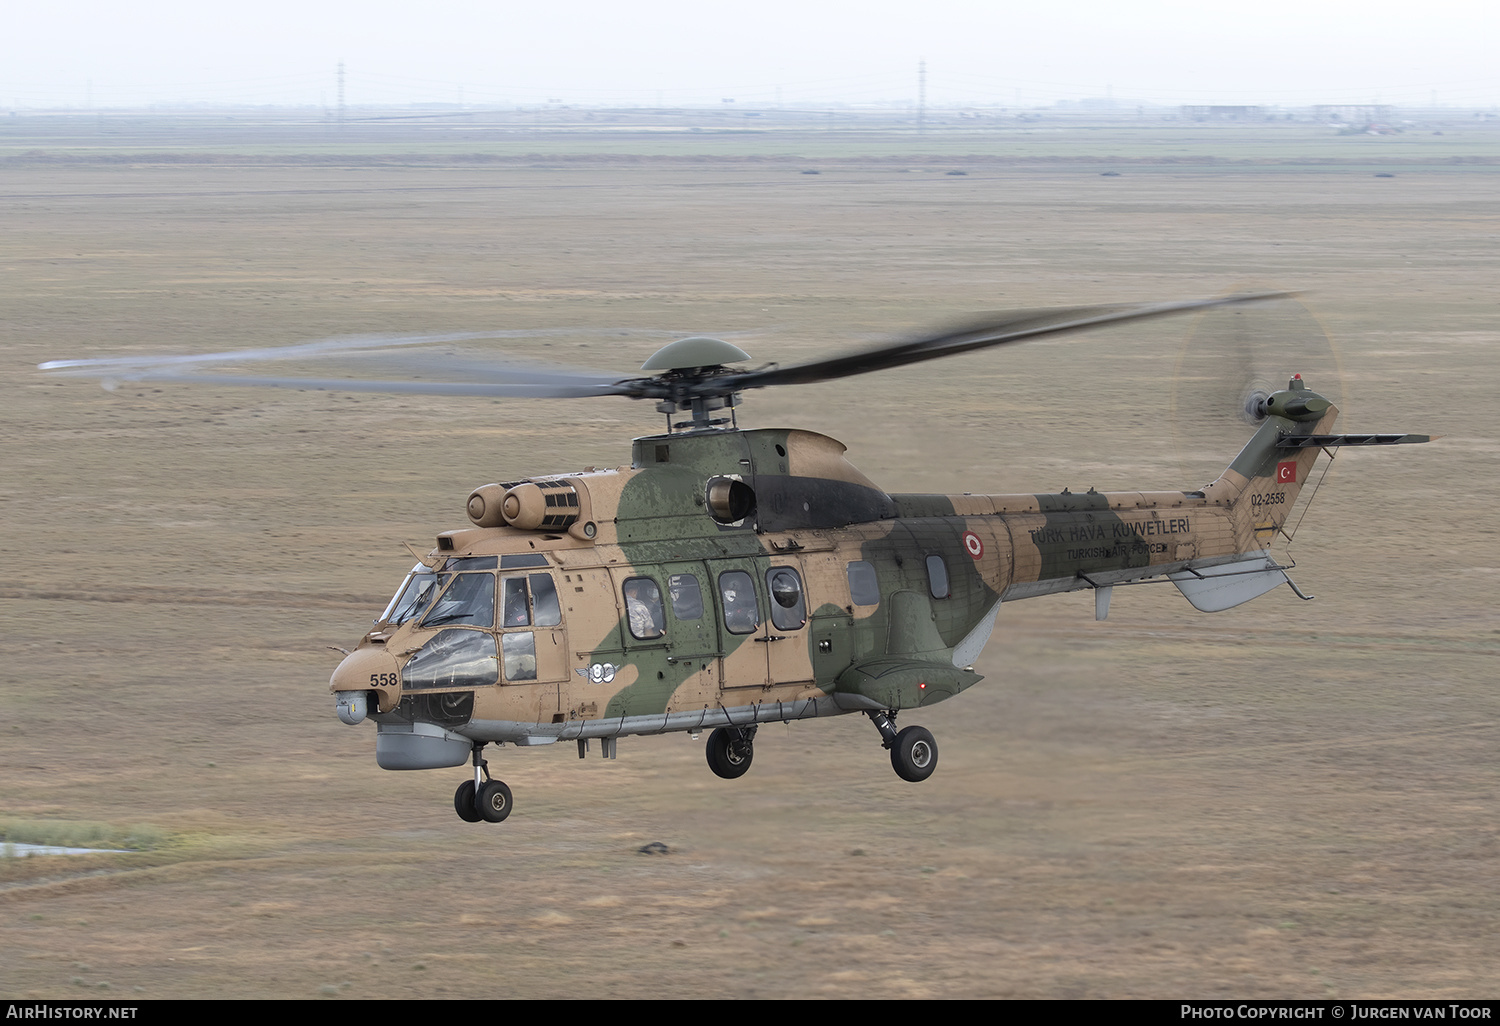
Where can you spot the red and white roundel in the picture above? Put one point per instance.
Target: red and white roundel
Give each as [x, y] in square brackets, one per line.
[973, 544]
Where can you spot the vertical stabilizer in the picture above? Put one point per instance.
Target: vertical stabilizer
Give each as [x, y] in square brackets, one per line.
[1262, 484]
[1260, 488]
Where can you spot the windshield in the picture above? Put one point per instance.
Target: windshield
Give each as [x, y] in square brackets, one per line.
[416, 594]
[463, 593]
[469, 600]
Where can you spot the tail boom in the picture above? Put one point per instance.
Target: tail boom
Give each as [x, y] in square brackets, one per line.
[1213, 543]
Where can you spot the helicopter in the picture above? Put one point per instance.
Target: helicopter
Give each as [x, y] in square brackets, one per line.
[730, 577]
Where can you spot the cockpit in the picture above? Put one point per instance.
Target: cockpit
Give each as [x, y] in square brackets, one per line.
[461, 593]
[458, 599]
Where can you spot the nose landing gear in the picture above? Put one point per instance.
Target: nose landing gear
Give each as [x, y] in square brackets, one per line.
[482, 798]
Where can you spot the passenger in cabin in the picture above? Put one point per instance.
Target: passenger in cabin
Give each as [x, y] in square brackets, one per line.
[642, 601]
[739, 614]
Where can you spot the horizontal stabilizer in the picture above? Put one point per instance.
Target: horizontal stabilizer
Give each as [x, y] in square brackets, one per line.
[1322, 441]
[1212, 589]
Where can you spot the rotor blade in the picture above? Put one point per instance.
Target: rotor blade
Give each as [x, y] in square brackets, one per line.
[477, 377]
[551, 386]
[999, 329]
[489, 371]
[353, 345]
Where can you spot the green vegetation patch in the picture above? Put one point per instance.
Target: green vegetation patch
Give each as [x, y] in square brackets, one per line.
[81, 834]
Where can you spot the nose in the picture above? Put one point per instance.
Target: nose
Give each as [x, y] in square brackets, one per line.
[368, 680]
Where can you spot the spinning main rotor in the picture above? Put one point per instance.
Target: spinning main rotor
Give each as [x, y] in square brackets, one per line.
[693, 375]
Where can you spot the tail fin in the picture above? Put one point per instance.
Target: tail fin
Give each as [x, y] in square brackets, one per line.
[1260, 488]
[1262, 484]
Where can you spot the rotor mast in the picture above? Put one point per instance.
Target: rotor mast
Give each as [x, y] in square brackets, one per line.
[688, 365]
[702, 409]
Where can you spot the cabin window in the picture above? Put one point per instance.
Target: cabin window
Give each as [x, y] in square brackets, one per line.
[469, 600]
[937, 577]
[737, 593]
[687, 597]
[864, 586]
[643, 608]
[788, 608]
[454, 658]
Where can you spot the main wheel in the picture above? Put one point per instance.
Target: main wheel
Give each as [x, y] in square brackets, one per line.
[463, 802]
[493, 801]
[729, 753]
[914, 755]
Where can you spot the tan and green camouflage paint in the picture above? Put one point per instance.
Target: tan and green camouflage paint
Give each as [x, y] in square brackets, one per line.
[816, 514]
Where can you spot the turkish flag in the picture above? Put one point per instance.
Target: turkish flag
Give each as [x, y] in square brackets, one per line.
[1286, 472]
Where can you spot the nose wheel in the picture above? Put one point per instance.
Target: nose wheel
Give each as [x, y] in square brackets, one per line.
[493, 801]
[463, 802]
[483, 798]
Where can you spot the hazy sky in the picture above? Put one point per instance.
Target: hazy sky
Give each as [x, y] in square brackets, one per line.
[76, 52]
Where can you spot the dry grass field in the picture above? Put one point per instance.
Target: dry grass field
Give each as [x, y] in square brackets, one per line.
[1288, 799]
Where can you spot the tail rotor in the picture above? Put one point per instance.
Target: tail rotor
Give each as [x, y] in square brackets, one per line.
[1232, 360]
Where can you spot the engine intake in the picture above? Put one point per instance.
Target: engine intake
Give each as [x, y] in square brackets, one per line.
[528, 505]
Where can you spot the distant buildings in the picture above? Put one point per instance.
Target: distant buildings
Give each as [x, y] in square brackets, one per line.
[1354, 113]
[1223, 112]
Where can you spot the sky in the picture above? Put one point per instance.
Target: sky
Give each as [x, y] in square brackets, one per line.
[88, 53]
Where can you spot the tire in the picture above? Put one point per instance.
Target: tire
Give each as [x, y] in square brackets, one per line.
[729, 753]
[914, 755]
[463, 802]
[494, 802]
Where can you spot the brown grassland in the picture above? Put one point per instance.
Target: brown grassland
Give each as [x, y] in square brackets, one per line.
[1288, 799]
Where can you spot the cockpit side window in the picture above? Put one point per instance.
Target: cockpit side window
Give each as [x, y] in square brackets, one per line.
[519, 651]
[544, 600]
[453, 659]
[516, 611]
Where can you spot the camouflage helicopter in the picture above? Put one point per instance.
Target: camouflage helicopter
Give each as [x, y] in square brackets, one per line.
[731, 577]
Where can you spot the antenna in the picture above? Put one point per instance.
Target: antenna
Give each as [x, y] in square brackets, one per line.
[921, 94]
[341, 93]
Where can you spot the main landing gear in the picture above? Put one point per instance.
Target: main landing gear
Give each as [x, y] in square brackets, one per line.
[730, 750]
[482, 798]
[913, 750]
